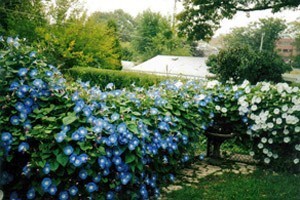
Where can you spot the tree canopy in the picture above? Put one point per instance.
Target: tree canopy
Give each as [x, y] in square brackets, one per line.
[258, 35]
[201, 18]
[154, 35]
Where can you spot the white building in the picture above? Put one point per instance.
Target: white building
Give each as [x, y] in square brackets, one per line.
[183, 66]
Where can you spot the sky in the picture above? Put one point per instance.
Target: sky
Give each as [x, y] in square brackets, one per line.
[166, 7]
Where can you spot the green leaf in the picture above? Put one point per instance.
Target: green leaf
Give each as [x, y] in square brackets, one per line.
[62, 159]
[85, 146]
[136, 113]
[69, 119]
[54, 166]
[133, 128]
[129, 158]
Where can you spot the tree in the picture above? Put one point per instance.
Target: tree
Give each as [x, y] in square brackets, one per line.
[75, 40]
[124, 22]
[240, 63]
[22, 18]
[201, 18]
[258, 35]
[154, 35]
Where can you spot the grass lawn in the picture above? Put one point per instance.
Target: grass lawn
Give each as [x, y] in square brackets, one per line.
[256, 186]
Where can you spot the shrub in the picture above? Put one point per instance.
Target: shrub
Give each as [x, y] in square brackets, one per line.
[243, 63]
[60, 140]
[120, 79]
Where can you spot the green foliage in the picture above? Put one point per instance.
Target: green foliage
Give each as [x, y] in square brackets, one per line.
[21, 18]
[80, 43]
[262, 34]
[124, 21]
[201, 18]
[121, 79]
[154, 35]
[243, 63]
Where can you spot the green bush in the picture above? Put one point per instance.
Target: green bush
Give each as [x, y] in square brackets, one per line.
[121, 79]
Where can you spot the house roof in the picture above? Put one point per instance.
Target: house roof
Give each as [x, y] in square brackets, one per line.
[174, 66]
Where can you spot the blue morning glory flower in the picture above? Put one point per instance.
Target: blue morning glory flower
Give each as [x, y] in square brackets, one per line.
[6, 137]
[91, 187]
[38, 83]
[52, 189]
[60, 137]
[33, 73]
[46, 182]
[15, 120]
[49, 73]
[22, 71]
[122, 128]
[110, 195]
[115, 116]
[46, 168]
[32, 54]
[28, 102]
[68, 150]
[83, 174]
[73, 190]
[97, 178]
[30, 193]
[23, 147]
[63, 195]
[14, 86]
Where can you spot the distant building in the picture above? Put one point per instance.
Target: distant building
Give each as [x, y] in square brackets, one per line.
[182, 66]
[286, 48]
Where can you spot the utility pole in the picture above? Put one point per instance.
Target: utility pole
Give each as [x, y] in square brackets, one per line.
[174, 15]
[261, 41]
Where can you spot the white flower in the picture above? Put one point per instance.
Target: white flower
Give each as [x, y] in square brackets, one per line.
[297, 129]
[260, 145]
[245, 83]
[297, 147]
[276, 111]
[224, 110]
[235, 88]
[284, 115]
[266, 87]
[275, 156]
[249, 132]
[258, 100]
[270, 154]
[286, 131]
[263, 140]
[291, 119]
[270, 125]
[253, 107]
[251, 153]
[295, 89]
[212, 84]
[296, 161]
[278, 121]
[284, 108]
[270, 141]
[286, 139]
[267, 160]
[274, 132]
[265, 151]
[218, 108]
[178, 84]
[247, 90]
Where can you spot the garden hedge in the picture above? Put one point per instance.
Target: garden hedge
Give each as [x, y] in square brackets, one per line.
[121, 79]
[63, 140]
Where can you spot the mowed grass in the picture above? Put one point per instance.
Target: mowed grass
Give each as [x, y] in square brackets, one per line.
[256, 186]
